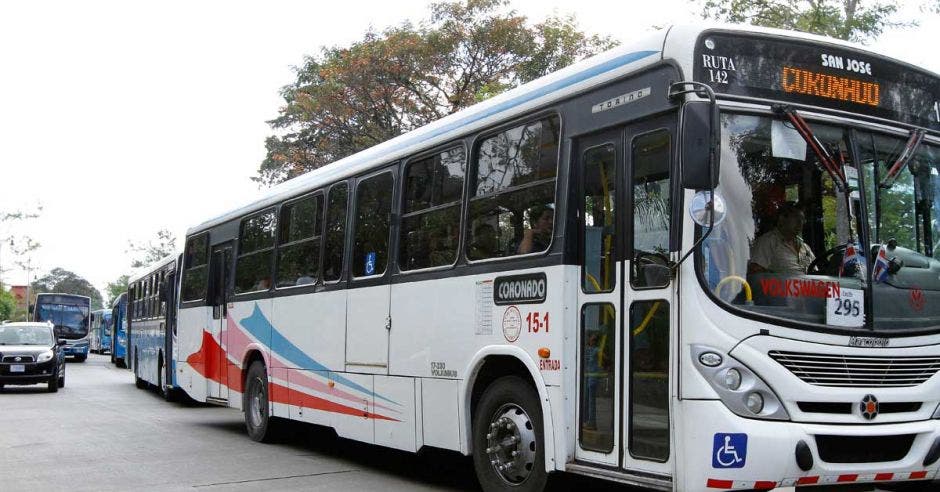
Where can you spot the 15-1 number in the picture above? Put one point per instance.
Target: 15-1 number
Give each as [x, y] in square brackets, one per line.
[848, 307]
[536, 323]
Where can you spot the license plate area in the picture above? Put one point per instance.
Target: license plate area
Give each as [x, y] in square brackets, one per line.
[17, 368]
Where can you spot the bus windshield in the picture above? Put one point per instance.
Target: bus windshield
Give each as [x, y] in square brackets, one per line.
[70, 321]
[799, 246]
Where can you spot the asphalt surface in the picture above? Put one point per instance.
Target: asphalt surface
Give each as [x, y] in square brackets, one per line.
[102, 433]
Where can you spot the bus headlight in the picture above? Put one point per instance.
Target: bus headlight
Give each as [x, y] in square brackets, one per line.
[740, 389]
[45, 356]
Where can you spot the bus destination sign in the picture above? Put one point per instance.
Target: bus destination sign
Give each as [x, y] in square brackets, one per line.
[819, 75]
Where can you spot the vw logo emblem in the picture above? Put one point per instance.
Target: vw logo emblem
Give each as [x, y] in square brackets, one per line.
[17, 359]
[869, 407]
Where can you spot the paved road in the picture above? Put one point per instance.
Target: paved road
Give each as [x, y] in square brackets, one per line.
[101, 433]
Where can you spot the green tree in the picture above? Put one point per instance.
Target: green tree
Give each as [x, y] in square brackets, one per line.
[350, 98]
[116, 288]
[7, 305]
[62, 281]
[153, 250]
[852, 20]
[13, 244]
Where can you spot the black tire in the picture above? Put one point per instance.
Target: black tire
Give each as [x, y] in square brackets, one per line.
[261, 426]
[62, 381]
[508, 419]
[113, 360]
[52, 386]
[80, 358]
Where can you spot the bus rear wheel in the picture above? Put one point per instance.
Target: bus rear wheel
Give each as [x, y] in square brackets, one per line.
[508, 449]
[261, 426]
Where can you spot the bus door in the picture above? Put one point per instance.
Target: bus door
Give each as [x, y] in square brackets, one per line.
[169, 335]
[625, 298]
[221, 294]
[368, 299]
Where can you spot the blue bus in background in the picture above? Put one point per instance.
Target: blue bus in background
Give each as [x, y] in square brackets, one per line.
[119, 331]
[152, 326]
[70, 314]
[101, 331]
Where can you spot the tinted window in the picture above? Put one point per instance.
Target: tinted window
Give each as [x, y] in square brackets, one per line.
[335, 241]
[373, 216]
[298, 254]
[512, 209]
[430, 228]
[255, 253]
[195, 277]
[651, 210]
[600, 190]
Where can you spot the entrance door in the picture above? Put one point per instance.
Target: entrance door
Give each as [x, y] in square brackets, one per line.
[220, 293]
[369, 295]
[625, 296]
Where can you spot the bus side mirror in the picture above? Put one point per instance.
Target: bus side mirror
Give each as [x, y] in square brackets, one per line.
[701, 140]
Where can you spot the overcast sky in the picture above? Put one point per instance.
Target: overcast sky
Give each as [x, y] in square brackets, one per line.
[121, 118]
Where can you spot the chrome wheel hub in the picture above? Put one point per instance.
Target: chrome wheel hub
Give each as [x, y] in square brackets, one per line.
[255, 400]
[511, 444]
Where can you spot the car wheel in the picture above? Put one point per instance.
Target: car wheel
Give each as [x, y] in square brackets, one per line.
[262, 427]
[53, 385]
[62, 382]
[80, 358]
[508, 446]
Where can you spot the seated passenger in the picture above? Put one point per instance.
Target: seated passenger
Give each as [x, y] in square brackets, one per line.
[484, 244]
[782, 250]
[540, 235]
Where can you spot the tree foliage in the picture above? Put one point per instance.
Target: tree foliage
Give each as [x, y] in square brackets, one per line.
[62, 281]
[14, 244]
[7, 305]
[350, 98]
[852, 20]
[116, 288]
[153, 250]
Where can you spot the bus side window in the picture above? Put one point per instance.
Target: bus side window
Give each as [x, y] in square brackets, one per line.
[335, 233]
[298, 254]
[512, 200]
[373, 220]
[430, 226]
[255, 253]
[195, 274]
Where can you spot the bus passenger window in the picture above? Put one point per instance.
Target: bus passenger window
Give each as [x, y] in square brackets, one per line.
[195, 274]
[651, 164]
[600, 188]
[430, 227]
[255, 253]
[373, 219]
[335, 233]
[298, 254]
[512, 208]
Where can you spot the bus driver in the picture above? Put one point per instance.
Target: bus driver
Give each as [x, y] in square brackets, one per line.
[782, 250]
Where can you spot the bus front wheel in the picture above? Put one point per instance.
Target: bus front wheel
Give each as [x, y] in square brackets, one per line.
[508, 449]
[262, 427]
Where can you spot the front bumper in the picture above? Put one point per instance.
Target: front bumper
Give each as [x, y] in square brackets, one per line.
[33, 373]
[81, 350]
[763, 453]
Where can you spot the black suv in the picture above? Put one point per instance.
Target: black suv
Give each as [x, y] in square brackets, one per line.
[30, 354]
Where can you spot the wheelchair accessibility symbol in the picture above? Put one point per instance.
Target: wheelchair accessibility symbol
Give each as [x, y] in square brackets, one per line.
[729, 451]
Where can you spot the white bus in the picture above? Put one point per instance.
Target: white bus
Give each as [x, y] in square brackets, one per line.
[544, 281]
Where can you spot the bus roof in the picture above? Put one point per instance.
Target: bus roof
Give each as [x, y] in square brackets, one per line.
[147, 270]
[70, 299]
[674, 43]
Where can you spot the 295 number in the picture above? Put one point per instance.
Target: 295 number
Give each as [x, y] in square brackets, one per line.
[848, 307]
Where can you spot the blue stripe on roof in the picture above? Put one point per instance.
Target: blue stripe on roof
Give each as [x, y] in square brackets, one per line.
[258, 325]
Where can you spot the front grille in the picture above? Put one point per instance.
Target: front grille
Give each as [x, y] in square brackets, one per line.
[846, 408]
[863, 449]
[11, 359]
[858, 371]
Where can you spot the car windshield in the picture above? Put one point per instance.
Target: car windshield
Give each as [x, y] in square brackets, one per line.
[798, 244]
[25, 335]
[70, 321]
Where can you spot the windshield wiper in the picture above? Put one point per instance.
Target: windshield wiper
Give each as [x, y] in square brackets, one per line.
[917, 136]
[828, 163]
